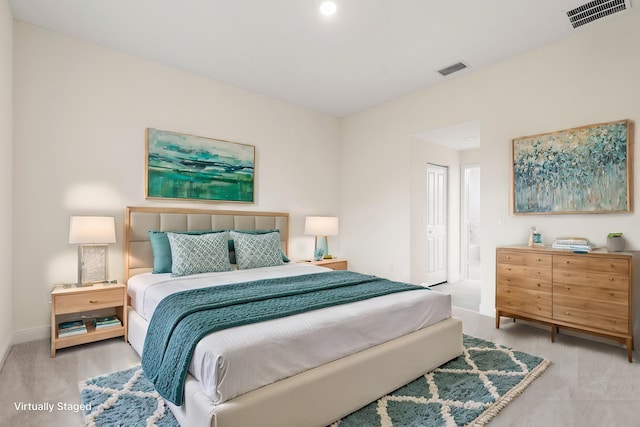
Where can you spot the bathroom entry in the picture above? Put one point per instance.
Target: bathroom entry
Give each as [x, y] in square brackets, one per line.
[470, 222]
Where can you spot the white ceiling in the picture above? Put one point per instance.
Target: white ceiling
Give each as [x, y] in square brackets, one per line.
[369, 52]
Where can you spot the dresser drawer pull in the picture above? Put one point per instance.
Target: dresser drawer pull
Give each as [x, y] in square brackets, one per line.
[611, 279]
[538, 259]
[92, 301]
[567, 262]
[507, 257]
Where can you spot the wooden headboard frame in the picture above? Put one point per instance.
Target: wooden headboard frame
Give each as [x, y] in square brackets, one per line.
[139, 220]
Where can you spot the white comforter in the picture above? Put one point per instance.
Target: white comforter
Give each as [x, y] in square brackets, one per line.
[234, 361]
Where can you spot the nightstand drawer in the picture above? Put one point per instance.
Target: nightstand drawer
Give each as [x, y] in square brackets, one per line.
[85, 301]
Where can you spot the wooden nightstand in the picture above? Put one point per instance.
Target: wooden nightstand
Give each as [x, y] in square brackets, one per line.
[335, 263]
[67, 301]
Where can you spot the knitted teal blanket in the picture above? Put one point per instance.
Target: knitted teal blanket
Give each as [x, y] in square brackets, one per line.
[183, 318]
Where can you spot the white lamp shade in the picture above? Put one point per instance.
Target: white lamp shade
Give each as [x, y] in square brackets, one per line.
[85, 230]
[321, 225]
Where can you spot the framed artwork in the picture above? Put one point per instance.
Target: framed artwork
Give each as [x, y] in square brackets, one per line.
[180, 166]
[574, 171]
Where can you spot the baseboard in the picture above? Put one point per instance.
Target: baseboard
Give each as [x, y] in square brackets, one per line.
[487, 309]
[31, 335]
[5, 348]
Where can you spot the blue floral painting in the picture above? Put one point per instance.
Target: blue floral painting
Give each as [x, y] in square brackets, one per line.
[581, 170]
[192, 167]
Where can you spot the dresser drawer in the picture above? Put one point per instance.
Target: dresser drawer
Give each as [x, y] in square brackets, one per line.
[85, 301]
[598, 285]
[592, 263]
[521, 300]
[525, 271]
[523, 258]
[530, 283]
[594, 314]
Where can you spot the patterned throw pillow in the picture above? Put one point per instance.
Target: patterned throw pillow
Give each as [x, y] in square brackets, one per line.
[257, 250]
[192, 254]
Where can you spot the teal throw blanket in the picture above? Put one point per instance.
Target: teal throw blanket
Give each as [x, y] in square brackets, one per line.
[183, 318]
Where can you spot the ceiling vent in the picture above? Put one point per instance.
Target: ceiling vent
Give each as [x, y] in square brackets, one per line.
[595, 10]
[453, 68]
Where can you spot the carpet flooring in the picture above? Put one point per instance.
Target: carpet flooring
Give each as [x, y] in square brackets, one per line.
[468, 390]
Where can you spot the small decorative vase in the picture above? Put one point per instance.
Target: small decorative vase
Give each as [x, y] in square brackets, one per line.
[615, 244]
[318, 254]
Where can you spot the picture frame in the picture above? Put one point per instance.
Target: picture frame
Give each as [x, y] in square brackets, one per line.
[581, 170]
[188, 167]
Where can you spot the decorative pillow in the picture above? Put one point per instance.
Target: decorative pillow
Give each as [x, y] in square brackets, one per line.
[161, 248]
[257, 250]
[204, 253]
[232, 249]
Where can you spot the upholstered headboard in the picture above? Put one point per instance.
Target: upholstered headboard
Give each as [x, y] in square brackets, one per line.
[139, 220]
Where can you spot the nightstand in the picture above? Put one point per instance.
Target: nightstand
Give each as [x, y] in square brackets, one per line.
[71, 302]
[334, 263]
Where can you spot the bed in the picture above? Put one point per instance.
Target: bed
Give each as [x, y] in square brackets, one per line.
[308, 386]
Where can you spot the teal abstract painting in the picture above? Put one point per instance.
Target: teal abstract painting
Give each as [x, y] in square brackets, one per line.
[191, 167]
[580, 170]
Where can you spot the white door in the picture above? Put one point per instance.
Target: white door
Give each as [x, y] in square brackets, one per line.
[436, 224]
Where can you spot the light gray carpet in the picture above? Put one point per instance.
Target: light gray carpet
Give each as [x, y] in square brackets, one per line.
[590, 383]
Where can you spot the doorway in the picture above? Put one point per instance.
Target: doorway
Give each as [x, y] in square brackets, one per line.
[470, 243]
[436, 223]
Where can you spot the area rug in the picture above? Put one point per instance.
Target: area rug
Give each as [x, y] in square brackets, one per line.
[467, 391]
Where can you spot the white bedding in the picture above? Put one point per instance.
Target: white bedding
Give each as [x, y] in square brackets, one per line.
[234, 361]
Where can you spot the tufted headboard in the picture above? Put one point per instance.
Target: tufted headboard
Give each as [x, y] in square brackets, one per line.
[139, 220]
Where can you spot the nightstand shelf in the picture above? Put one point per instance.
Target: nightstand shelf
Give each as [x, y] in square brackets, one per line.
[69, 301]
[333, 263]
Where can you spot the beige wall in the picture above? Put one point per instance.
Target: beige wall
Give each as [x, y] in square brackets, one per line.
[590, 77]
[6, 125]
[80, 116]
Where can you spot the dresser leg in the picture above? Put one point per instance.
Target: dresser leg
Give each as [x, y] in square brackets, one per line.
[630, 349]
[554, 329]
[497, 319]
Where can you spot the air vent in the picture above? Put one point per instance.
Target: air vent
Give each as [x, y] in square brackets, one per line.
[595, 10]
[453, 68]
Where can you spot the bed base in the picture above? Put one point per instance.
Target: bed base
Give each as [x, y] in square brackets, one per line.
[324, 394]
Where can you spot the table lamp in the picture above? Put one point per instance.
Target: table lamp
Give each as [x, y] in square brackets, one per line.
[321, 227]
[92, 234]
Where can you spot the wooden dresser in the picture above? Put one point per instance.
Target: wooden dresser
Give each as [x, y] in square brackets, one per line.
[586, 292]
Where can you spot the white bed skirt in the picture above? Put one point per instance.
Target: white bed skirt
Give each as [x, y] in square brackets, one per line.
[322, 395]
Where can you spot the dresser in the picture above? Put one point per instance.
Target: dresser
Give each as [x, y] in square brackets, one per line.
[591, 293]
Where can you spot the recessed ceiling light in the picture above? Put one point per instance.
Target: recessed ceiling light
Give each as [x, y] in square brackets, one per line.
[328, 8]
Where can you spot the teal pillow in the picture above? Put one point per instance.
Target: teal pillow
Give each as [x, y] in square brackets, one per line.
[232, 249]
[204, 253]
[257, 250]
[162, 250]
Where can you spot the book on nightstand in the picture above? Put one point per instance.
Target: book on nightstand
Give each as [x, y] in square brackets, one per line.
[106, 322]
[74, 327]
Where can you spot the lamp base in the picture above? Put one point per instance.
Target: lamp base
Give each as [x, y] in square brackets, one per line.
[92, 264]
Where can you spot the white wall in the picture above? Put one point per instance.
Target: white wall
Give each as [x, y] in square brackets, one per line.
[6, 125]
[80, 116]
[590, 77]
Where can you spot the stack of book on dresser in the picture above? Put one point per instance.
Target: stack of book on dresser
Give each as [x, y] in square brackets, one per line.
[578, 244]
[106, 322]
[73, 327]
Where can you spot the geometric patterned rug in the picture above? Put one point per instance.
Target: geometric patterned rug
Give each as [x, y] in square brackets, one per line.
[467, 391]
[124, 399]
